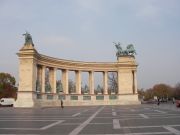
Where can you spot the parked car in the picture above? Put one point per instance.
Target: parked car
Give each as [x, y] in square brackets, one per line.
[177, 103]
[7, 102]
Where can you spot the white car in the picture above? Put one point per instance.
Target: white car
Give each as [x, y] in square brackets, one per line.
[7, 101]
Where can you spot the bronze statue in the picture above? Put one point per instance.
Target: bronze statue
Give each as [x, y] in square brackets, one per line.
[119, 49]
[28, 39]
[130, 51]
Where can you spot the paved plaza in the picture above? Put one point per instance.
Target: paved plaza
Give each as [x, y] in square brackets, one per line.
[96, 120]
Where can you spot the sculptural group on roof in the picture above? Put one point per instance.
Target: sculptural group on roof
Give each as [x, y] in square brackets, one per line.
[28, 39]
[130, 51]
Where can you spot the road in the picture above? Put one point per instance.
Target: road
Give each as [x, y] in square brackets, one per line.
[96, 120]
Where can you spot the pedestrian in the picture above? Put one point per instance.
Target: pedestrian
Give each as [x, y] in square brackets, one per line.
[158, 102]
[173, 100]
[62, 104]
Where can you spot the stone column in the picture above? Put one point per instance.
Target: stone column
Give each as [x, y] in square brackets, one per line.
[91, 82]
[78, 82]
[65, 81]
[105, 82]
[135, 82]
[52, 79]
[39, 78]
[118, 77]
[43, 79]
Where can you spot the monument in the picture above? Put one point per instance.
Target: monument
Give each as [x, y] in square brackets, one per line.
[36, 90]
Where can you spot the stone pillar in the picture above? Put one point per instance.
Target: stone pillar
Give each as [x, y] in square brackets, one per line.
[65, 81]
[119, 82]
[78, 82]
[27, 77]
[91, 82]
[105, 82]
[125, 81]
[125, 75]
[134, 82]
[39, 78]
[43, 79]
[52, 79]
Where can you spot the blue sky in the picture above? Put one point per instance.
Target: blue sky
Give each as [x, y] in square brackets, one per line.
[84, 30]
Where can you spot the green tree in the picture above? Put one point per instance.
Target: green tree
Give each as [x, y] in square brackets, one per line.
[7, 86]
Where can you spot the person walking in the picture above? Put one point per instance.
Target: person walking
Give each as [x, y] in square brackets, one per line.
[173, 100]
[62, 104]
[158, 102]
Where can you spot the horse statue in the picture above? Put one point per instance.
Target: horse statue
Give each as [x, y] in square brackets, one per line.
[119, 49]
[130, 50]
[28, 39]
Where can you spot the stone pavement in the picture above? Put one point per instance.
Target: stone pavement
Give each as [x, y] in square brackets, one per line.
[93, 120]
[168, 106]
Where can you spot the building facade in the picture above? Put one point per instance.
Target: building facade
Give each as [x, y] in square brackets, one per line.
[32, 81]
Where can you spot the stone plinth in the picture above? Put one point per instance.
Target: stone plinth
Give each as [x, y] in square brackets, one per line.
[131, 99]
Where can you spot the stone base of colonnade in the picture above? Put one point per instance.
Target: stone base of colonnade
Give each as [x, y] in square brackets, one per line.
[26, 99]
[53, 100]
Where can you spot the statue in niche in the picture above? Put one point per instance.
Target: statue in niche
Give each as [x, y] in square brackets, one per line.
[59, 87]
[38, 86]
[28, 39]
[86, 89]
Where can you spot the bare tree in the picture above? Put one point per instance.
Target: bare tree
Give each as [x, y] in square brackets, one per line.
[177, 91]
[162, 91]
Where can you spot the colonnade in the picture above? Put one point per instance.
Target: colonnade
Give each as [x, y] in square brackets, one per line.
[41, 71]
[32, 69]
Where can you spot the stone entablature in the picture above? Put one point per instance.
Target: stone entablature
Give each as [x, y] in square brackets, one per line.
[32, 68]
[84, 66]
